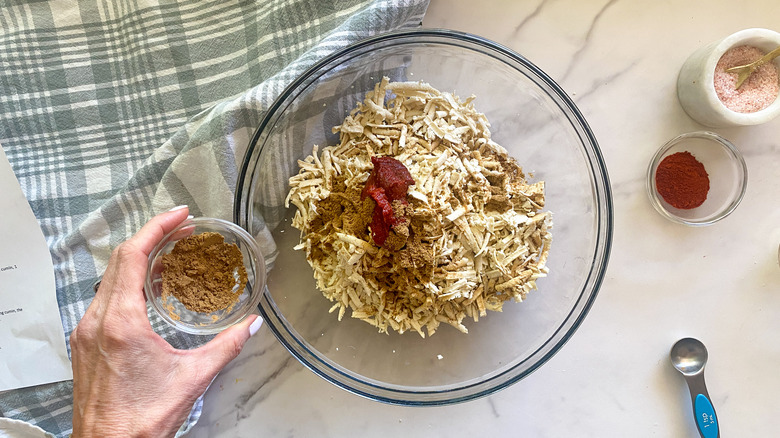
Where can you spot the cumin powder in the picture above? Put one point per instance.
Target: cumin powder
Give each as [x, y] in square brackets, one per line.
[202, 272]
[407, 244]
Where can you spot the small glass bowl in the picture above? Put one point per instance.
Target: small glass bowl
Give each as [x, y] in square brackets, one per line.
[727, 173]
[172, 311]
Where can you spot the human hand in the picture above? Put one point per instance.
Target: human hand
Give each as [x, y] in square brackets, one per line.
[127, 380]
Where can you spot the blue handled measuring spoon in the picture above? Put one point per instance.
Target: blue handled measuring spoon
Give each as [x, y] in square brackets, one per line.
[689, 356]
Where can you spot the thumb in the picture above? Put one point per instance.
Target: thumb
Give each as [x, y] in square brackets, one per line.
[218, 352]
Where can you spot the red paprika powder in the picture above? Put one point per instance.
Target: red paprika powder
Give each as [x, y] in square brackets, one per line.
[682, 181]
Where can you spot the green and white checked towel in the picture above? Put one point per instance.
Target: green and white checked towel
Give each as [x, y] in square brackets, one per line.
[112, 111]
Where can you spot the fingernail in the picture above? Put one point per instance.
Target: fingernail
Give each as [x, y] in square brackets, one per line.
[189, 216]
[255, 326]
[178, 207]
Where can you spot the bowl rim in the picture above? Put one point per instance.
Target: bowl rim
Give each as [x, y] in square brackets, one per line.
[249, 305]
[728, 146]
[604, 224]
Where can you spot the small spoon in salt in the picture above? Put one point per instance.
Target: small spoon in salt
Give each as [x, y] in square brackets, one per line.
[744, 71]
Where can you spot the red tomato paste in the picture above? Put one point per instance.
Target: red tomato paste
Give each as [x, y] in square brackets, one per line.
[388, 182]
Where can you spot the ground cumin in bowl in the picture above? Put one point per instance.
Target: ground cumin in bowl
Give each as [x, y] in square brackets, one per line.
[204, 276]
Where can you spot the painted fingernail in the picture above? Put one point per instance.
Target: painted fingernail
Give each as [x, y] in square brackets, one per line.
[178, 207]
[255, 326]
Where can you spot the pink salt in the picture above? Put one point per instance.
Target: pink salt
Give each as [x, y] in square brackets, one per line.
[757, 92]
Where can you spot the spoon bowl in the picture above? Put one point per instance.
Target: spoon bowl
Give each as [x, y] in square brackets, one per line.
[689, 356]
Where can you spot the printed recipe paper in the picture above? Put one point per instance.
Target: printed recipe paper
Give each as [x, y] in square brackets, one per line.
[32, 342]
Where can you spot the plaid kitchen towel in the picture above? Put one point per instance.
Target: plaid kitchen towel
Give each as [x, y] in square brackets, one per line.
[112, 111]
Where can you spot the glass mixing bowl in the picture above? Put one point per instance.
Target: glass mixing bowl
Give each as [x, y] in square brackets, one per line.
[533, 118]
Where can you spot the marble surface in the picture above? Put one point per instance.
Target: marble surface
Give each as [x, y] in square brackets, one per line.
[618, 59]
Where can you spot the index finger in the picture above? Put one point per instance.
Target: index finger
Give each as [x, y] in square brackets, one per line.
[126, 269]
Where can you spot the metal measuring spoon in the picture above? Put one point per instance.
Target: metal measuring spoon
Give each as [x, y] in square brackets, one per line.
[689, 356]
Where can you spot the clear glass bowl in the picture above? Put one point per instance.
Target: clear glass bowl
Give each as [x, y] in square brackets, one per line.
[172, 311]
[533, 118]
[726, 170]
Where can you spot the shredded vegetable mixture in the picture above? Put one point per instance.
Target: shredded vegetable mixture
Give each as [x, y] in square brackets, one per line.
[477, 234]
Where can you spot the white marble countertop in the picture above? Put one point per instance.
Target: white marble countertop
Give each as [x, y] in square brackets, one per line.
[619, 62]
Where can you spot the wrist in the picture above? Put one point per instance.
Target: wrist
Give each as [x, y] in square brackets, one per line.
[123, 426]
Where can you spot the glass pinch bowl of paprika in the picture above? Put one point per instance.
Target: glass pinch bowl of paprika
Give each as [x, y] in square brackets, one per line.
[696, 178]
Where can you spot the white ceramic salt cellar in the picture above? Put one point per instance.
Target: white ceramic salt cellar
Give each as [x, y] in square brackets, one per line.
[696, 81]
